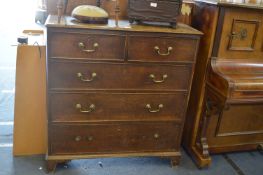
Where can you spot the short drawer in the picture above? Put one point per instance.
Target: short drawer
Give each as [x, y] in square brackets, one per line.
[99, 106]
[75, 75]
[113, 138]
[159, 49]
[77, 45]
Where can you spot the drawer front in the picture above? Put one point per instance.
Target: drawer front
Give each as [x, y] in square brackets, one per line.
[162, 49]
[69, 45]
[73, 75]
[241, 36]
[112, 138]
[89, 107]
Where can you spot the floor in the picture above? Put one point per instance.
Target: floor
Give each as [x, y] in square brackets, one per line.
[246, 163]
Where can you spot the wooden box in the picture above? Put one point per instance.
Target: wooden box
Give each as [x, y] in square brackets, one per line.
[30, 129]
[154, 10]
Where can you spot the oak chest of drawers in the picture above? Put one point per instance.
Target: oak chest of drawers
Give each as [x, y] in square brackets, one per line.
[117, 91]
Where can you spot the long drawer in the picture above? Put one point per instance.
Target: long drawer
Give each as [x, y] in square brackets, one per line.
[80, 45]
[77, 75]
[89, 107]
[112, 138]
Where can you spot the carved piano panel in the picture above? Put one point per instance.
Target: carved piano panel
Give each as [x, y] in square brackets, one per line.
[241, 35]
[237, 125]
[252, 121]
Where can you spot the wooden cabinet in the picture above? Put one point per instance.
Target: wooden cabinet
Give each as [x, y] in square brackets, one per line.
[225, 108]
[117, 91]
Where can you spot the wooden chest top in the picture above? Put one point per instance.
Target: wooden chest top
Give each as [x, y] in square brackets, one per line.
[124, 25]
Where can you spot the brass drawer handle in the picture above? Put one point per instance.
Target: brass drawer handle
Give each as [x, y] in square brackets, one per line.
[148, 106]
[83, 47]
[81, 77]
[169, 50]
[91, 108]
[90, 138]
[152, 76]
[156, 136]
[79, 138]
